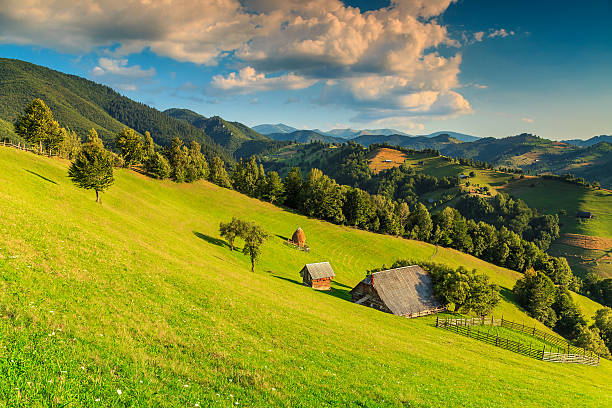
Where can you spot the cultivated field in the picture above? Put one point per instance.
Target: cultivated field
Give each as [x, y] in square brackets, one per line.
[138, 302]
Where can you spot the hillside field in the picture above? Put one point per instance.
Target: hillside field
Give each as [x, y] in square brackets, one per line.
[138, 302]
[552, 196]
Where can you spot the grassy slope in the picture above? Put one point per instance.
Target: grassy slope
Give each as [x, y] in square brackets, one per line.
[551, 196]
[140, 295]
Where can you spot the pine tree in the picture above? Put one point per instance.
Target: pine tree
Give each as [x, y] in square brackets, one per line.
[148, 147]
[37, 125]
[293, 188]
[274, 190]
[218, 174]
[92, 168]
[157, 166]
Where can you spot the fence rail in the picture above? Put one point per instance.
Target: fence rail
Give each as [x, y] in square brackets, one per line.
[565, 354]
[18, 146]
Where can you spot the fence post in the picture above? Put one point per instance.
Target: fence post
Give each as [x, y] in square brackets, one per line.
[502, 322]
[533, 330]
[491, 320]
[437, 321]
[543, 350]
[496, 339]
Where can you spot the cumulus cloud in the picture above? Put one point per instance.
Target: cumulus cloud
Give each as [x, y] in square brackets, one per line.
[383, 63]
[478, 36]
[119, 67]
[247, 80]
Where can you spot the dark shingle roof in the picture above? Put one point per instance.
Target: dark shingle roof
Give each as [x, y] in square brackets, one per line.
[405, 290]
[320, 270]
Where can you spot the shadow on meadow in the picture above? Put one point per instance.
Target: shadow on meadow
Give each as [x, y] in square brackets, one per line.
[335, 292]
[42, 177]
[213, 240]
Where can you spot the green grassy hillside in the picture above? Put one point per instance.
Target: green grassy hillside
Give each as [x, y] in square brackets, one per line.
[141, 296]
[553, 196]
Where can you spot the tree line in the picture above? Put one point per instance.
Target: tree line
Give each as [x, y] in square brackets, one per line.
[553, 305]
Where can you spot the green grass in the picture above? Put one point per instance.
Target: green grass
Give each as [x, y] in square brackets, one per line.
[552, 196]
[140, 295]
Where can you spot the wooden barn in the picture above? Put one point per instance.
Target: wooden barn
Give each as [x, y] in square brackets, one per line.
[318, 275]
[406, 291]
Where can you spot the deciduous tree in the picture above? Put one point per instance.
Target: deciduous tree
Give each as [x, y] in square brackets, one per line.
[93, 167]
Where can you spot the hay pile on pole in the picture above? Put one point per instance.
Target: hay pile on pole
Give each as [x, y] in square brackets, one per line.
[299, 238]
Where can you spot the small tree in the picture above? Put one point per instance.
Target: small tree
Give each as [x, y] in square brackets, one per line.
[70, 144]
[37, 125]
[218, 174]
[231, 230]
[131, 145]
[254, 236]
[92, 169]
[157, 166]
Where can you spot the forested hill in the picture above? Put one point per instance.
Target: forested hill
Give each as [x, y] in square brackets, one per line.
[82, 104]
[231, 135]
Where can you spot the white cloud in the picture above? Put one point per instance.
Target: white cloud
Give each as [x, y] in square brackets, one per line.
[480, 86]
[382, 62]
[500, 33]
[527, 120]
[247, 80]
[119, 67]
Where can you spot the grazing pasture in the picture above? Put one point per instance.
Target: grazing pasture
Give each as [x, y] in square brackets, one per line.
[139, 302]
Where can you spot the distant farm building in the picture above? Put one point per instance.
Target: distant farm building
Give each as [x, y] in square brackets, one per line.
[584, 214]
[388, 161]
[463, 176]
[406, 291]
[318, 275]
[299, 238]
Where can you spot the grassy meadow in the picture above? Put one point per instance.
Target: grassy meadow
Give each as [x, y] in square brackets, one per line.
[138, 302]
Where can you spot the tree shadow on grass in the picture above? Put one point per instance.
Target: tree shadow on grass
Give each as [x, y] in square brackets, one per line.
[212, 240]
[42, 177]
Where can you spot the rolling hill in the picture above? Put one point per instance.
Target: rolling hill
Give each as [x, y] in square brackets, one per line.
[231, 135]
[305, 136]
[589, 142]
[138, 302]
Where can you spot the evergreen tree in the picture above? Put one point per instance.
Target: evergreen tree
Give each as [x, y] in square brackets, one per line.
[157, 166]
[197, 167]
[92, 168]
[218, 174]
[293, 188]
[177, 157]
[148, 147]
[322, 197]
[37, 125]
[131, 146]
[274, 190]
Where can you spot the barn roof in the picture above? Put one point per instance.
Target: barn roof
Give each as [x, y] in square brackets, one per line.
[320, 270]
[404, 290]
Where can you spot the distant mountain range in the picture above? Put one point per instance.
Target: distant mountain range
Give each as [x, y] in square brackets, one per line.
[347, 134]
[589, 142]
[82, 104]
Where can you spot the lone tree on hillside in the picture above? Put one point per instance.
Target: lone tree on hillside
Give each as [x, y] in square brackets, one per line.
[37, 125]
[254, 236]
[92, 169]
[231, 230]
[131, 145]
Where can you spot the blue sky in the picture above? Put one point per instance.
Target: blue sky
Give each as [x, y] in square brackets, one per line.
[488, 68]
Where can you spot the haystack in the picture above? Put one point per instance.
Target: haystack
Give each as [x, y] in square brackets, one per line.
[299, 238]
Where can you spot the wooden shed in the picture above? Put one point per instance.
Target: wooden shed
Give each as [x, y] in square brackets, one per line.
[318, 275]
[406, 291]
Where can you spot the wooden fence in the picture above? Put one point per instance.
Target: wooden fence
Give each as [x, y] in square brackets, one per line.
[565, 354]
[18, 146]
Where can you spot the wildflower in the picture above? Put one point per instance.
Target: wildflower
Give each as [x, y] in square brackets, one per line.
[186, 385]
[119, 391]
[97, 399]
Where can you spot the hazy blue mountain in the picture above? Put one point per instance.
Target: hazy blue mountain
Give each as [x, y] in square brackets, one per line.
[353, 133]
[589, 142]
[267, 129]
